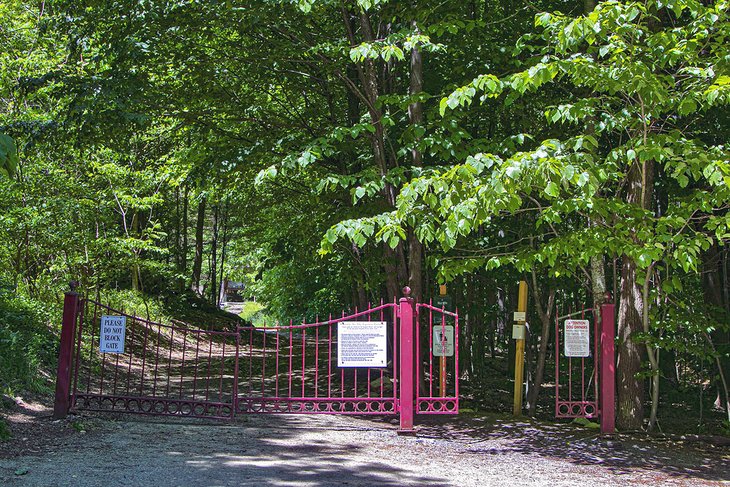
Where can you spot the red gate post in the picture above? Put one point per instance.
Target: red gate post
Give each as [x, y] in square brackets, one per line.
[65, 354]
[407, 396]
[608, 369]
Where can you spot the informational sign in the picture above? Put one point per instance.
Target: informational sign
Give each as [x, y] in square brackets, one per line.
[519, 316]
[111, 336]
[443, 341]
[443, 302]
[362, 344]
[577, 338]
[518, 332]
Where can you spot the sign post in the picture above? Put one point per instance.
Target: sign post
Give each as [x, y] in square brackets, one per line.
[443, 346]
[518, 333]
[443, 301]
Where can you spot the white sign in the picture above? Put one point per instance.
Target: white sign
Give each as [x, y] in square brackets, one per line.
[443, 341]
[577, 339]
[362, 344]
[518, 332]
[519, 316]
[111, 336]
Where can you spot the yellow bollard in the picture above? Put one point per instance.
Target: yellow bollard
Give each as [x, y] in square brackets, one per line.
[518, 333]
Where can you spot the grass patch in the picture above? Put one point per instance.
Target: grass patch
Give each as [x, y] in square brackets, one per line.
[28, 343]
[255, 312]
[250, 308]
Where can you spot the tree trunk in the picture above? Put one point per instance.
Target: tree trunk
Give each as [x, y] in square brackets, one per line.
[136, 285]
[712, 286]
[224, 247]
[184, 250]
[198, 261]
[545, 315]
[415, 115]
[214, 258]
[630, 389]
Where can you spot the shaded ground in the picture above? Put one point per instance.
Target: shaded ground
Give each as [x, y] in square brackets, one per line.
[338, 450]
[32, 429]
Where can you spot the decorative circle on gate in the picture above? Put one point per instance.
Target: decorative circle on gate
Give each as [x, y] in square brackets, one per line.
[437, 406]
[146, 406]
[576, 409]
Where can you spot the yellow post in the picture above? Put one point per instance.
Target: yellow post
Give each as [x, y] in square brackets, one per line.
[519, 334]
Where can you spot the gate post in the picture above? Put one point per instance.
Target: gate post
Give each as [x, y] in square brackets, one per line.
[407, 322]
[65, 353]
[608, 369]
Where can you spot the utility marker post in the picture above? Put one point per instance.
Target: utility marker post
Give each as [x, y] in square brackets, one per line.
[519, 334]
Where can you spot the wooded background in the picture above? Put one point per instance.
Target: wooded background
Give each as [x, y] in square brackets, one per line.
[328, 153]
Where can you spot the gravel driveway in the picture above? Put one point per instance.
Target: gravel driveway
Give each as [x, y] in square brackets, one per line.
[338, 450]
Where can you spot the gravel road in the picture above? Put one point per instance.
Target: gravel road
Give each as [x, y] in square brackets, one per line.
[356, 451]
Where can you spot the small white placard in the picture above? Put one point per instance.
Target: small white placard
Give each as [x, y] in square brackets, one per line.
[577, 338]
[362, 344]
[519, 316]
[111, 336]
[518, 332]
[443, 341]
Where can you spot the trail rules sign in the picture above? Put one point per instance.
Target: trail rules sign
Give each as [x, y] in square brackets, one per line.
[443, 341]
[111, 336]
[362, 344]
[577, 338]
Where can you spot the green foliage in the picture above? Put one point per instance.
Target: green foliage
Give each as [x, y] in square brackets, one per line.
[646, 88]
[8, 155]
[255, 312]
[28, 342]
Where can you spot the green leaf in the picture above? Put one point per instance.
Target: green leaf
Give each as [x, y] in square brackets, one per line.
[8, 155]
[552, 189]
[359, 193]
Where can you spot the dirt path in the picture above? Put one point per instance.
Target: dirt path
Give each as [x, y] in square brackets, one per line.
[337, 450]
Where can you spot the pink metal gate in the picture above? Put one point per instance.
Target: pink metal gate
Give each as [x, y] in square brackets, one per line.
[293, 369]
[437, 377]
[164, 369]
[180, 370]
[585, 365]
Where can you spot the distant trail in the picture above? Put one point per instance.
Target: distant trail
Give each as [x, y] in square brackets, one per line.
[337, 450]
